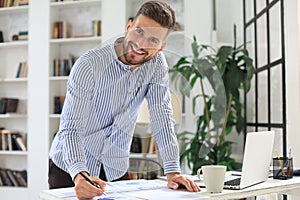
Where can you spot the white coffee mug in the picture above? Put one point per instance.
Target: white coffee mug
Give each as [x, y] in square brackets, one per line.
[214, 176]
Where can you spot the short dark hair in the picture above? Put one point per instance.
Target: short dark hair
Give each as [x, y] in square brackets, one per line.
[161, 12]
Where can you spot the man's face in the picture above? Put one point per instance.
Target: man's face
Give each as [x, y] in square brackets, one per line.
[143, 40]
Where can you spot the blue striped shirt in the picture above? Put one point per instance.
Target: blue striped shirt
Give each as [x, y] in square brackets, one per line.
[100, 111]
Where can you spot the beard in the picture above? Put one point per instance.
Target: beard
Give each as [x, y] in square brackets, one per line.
[134, 55]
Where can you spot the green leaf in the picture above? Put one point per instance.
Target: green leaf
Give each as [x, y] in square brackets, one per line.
[195, 48]
[222, 56]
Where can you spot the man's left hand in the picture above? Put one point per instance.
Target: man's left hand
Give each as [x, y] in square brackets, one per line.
[175, 180]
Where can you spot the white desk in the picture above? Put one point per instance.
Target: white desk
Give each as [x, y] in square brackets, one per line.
[272, 186]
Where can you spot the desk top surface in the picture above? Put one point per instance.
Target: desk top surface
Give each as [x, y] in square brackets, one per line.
[160, 191]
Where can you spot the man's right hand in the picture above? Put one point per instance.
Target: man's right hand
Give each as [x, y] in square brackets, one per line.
[84, 190]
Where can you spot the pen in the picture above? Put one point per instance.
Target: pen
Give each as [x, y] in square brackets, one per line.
[278, 157]
[89, 180]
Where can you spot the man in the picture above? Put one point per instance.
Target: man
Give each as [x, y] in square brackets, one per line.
[105, 90]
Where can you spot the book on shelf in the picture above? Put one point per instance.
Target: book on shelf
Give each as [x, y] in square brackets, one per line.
[58, 104]
[1, 36]
[61, 67]
[16, 2]
[23, 35]
[12, 3]
[5, 179]
[15, 178]
[12, 177]
[3, 103]
[22, 70]
[61, 29]
[6, 144]
[96, 28]
[20, 178]
[152, 145]
[143, 144]
[1, 182]
[136, 146]
[23, 2]
[11, 141]
[73, 59]
[12, 105]
[8, 105]
[18, 142]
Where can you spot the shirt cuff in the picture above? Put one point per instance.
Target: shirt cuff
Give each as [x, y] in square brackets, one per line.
[171, 167]
[76, 168]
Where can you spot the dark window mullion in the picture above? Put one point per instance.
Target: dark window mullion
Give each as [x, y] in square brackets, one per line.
[284, 136]
[266, 125]
[267, 66]
[245, 46]
[255, 63]
[268, 63]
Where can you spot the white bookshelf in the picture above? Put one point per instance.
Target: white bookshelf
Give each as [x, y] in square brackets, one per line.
[92, 39]
[13, 20]
[14, 43]
[79, 16]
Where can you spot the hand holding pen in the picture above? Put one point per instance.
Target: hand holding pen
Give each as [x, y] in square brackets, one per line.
[87, 187]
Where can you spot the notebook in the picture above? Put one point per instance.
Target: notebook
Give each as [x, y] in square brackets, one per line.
[256, 161]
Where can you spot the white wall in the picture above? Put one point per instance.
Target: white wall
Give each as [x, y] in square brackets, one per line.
[228, 13]
[293, 77]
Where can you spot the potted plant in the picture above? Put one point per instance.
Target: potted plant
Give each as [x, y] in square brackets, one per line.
[228, 70]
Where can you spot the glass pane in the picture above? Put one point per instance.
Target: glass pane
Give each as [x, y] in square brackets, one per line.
[275, 33]
[250, 129]
[251, 102]
[278, 143]
[250, 42]
[262, 97]
[250, 45]
[276, 94]
[262, 129]
[262, 58]
[260, 5]
[249, 10]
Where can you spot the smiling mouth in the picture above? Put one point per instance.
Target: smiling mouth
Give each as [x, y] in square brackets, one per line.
[136, 51]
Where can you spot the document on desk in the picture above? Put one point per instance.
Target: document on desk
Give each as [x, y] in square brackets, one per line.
[167, 193]
[113, 190]
[133, 185]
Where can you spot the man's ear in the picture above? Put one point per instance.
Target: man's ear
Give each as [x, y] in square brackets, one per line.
[162, 46]
[129, 24]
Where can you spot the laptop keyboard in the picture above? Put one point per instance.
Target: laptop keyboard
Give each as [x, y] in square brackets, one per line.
[233, 182]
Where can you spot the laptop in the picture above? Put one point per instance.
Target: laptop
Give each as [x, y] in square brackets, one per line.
[256, 161]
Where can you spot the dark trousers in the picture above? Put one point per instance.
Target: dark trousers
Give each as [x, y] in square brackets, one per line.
[57, 178]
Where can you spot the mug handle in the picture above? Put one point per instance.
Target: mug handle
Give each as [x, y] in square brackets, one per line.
[198, 174]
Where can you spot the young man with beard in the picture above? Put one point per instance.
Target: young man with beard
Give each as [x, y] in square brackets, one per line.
[105, 90]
